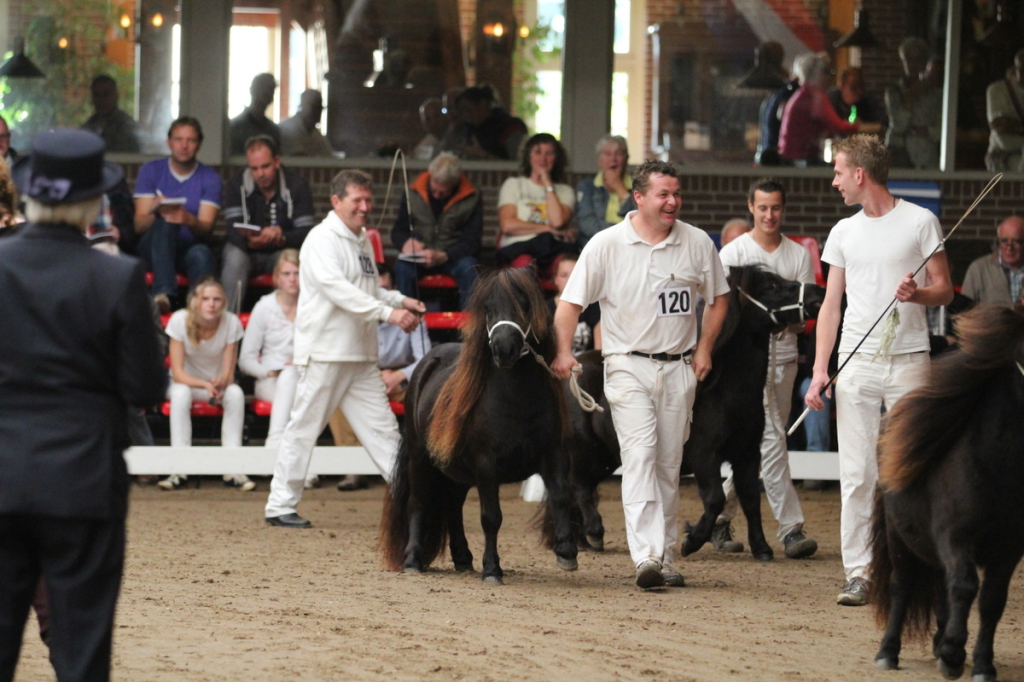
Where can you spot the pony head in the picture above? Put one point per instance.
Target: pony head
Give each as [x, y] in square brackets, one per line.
[783, 301]
[508, 314]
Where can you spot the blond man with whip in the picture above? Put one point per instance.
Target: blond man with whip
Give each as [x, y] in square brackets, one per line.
[879, 248]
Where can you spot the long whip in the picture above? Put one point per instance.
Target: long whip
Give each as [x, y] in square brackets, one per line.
[988, 188]
[399, 154]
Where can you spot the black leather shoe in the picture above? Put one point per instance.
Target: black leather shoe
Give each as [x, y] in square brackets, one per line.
[289, 521]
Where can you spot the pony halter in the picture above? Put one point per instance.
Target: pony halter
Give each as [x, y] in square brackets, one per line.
[799, 305]
[585, 400]
[526, 350]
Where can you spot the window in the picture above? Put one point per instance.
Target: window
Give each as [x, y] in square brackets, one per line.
[73, 41]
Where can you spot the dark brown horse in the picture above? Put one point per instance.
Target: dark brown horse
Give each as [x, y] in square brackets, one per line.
[951, 496]
[481, 413]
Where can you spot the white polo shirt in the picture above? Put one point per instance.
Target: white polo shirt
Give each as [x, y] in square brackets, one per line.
[789, 261]
[647, 293]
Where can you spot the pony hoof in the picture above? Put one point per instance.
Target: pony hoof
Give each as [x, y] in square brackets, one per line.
[883, 663]
[951, 672]
[412, 570]
[764, 556]
[596, 543]
[568, 564]
[463, 568]
[688, 547]
[493, 580]
[983, 677]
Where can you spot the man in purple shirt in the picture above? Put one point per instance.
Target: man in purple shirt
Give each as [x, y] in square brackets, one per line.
[172, 231]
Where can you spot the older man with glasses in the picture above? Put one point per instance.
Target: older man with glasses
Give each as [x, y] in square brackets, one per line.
[996, 278]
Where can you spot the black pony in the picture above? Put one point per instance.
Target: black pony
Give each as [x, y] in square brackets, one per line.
[728, 416]
[481, 413]
[951, 496]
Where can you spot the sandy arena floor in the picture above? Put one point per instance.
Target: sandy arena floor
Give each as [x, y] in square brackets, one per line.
[212, 593]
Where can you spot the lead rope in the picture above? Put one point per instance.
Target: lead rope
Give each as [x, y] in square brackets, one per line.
[584, 399]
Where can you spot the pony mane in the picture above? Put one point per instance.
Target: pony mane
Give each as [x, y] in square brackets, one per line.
[923, 426]
[462, 390]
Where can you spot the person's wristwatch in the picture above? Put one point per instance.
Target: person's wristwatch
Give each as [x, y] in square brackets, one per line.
[549, 188]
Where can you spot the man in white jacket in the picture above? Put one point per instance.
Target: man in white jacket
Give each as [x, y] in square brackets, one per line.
[340, 304]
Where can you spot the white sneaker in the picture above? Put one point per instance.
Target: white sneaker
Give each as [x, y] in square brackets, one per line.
[240, 481]
[312, 481]
[173, 482]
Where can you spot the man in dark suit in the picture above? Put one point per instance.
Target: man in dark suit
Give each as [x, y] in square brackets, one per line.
[77, 347]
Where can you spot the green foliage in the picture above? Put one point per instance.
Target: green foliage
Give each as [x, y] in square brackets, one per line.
[62, 98]
[529, 56]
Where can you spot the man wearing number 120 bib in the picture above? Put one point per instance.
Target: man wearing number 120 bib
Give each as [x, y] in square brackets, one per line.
[646, 273]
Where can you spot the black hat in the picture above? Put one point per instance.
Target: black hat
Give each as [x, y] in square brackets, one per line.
[65, 167]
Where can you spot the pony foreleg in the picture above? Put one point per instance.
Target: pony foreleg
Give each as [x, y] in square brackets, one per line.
[461, 556]
[490, 520]
[991, 603]
[744, 476]
[961, 589]
[709, 486]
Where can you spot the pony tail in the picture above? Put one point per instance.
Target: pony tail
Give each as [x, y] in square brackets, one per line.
[880, 569]
[394, 520]
[921, 584]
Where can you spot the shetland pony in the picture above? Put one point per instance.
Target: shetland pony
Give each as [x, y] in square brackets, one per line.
[728, 415]
[951, 496]
[481, 413]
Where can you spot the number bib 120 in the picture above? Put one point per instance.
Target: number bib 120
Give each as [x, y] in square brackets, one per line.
[674, 301]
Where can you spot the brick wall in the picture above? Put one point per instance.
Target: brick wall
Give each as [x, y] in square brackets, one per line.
[710, 199]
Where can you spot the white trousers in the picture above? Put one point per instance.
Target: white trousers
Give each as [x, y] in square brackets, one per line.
[280, 391]
[356, 388]
[863, 389]
[181, 397]
[651, 405]
[778, 484]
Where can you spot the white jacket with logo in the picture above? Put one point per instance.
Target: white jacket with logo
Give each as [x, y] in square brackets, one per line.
[340, 299]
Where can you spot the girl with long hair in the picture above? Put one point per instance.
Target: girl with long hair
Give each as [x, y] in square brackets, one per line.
[204, 340]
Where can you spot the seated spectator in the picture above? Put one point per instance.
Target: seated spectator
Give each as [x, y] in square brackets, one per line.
[9, 216]
[1004, 103]
[268, 343]
[604, 200]
[447, 223]
[535, 207]
[736, 227]
[109, 121]
[486, 131]
[204, 348]
[914, 105]
[398, 354]
[808, 114]
[852, 103]
[7, 152]
[588, 330]
[172, 231]
[300, 134]
[253, 120]
[436, 124]
[269, 197]
[996, 279]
